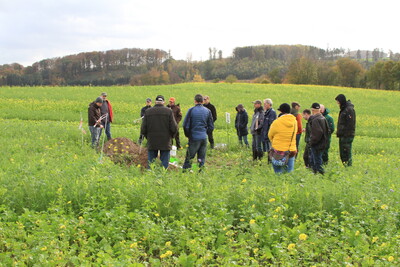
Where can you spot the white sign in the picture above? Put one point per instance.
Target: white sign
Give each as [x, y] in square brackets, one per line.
[228, 117]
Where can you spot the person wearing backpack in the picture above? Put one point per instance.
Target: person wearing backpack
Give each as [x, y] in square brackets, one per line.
[319, 137]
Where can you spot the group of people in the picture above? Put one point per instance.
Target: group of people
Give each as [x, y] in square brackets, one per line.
[278, 135]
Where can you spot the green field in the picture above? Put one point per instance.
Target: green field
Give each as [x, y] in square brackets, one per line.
[61, 206]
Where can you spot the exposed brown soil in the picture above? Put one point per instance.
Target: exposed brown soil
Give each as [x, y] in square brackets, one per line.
[124, 151]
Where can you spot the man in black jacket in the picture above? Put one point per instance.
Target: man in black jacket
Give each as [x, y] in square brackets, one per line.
[241, 121]
[211, 107]
[346, 129]
[159, 127]
[95, 126]
[319, 136]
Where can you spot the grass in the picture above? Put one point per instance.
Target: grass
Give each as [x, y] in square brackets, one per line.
[60, 206]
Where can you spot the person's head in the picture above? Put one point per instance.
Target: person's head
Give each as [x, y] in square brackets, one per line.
[198, 99]
[296, 105]
[148, 102]
[239, 107]
[160, 100]
[306, 114]
[267, 103]
[322, 109]
[104, 95]
[206, 99]
[315, 108]
[284, 108]
[257, 104]
[99, 101]
[172, 101]
[341, 100]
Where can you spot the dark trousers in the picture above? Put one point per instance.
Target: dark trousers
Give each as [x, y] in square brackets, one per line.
[306, 156]
[345, 146]
[257, 147]
[107, 129]
[164, 157]
[243, 138]
[266, 145]
[316, 160]
[177, 141]
[198, 147]
[211, 139]
[298, 136]
[325, 155]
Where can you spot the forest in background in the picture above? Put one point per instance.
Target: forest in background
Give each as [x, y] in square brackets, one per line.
[295, 64]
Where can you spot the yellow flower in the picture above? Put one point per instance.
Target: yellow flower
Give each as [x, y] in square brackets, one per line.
[62, 226]
[384, 207]
[374, 239]
[75, 156]
[252, 221]
[278, 209]
[291, 246]
[168, 243]
[295, 217]
[244, 180]
[133, 245]
[138, 165]
[271, 200]
[303, 237]
[166, 254]
[391, 258]
[156, 214]
[69, 202]
[43, 248]
[357, 233]
[255, 250]
[253, 206]
[193, 241]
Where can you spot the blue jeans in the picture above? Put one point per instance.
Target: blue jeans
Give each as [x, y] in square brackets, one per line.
[244, 138]
[316, 160]
[198, 147]
[257, 143]
[95, 132]
[164, 157]
[107, 129]
[288, 168]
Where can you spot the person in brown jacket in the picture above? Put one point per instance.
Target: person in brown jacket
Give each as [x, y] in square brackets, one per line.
[176, 110]
[159, 127]
[95, 126]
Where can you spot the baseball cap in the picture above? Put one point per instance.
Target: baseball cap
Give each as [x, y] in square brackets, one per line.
[315, 106]
[99, 100]
[148, 99]
[160, 98]
[257, 102]
[284, 108]
[104, 94]
[172, 99]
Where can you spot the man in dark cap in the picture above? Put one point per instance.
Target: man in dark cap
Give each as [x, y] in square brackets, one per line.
[142, 111]
[95, 126]
[159, 127]
[346, 129]
[106, 108]
[319, 137]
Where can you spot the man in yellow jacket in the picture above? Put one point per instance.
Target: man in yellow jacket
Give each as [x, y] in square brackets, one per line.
[282, 135]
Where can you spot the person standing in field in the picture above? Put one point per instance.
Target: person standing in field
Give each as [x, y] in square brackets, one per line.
[95, 126]
[198, 123]
[331, 124]
[256, 130]
[346, 129]
[142, 112]
[159, 127]
[306, 155]
[269, 117]
[282, 135]
[106, 108]
[241, 121]
[319, 136]
[176, 110]
[213, 110]
[295, 112]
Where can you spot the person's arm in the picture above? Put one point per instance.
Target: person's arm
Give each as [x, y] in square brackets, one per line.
[142, 112]
[186, 123]
[214, 113]
[299, 123]
[143, 128]
[173, 126]
[331, 125]
[245, 120]
[210, 123]
[271, 132]
[178, 115]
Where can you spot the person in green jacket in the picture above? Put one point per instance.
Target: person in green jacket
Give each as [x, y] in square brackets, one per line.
[331, 124]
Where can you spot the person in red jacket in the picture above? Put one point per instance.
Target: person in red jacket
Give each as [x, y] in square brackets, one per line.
[106, 108]
[295, 112]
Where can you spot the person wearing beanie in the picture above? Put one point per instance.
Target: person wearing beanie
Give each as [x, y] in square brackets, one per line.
[256, 130]
[241, 121]
[159, 127]
[282, 135]
[106, 108]
[346, 129]
[319, 136]
[331, 124]
[95, 126]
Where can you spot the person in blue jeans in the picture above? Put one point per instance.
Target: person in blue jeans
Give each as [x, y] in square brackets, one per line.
[198, 123]
[159, 127]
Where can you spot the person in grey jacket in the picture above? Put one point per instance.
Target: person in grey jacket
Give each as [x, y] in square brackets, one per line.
[256, 130]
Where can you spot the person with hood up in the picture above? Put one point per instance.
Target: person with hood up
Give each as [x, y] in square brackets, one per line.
[256, 128]
[331, 124]
[241, 124]
[346, 129]
[282, 135]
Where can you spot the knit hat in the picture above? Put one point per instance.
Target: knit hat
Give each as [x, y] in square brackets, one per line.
[342, 99]
[284, 108]
[99, 100]
[239, 107]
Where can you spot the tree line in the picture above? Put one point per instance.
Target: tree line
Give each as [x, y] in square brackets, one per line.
[297, 64]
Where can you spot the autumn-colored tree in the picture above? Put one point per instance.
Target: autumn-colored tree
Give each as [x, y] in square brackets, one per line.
[198, 79]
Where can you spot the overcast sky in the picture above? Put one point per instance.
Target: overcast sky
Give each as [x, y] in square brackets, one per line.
[31, 30]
